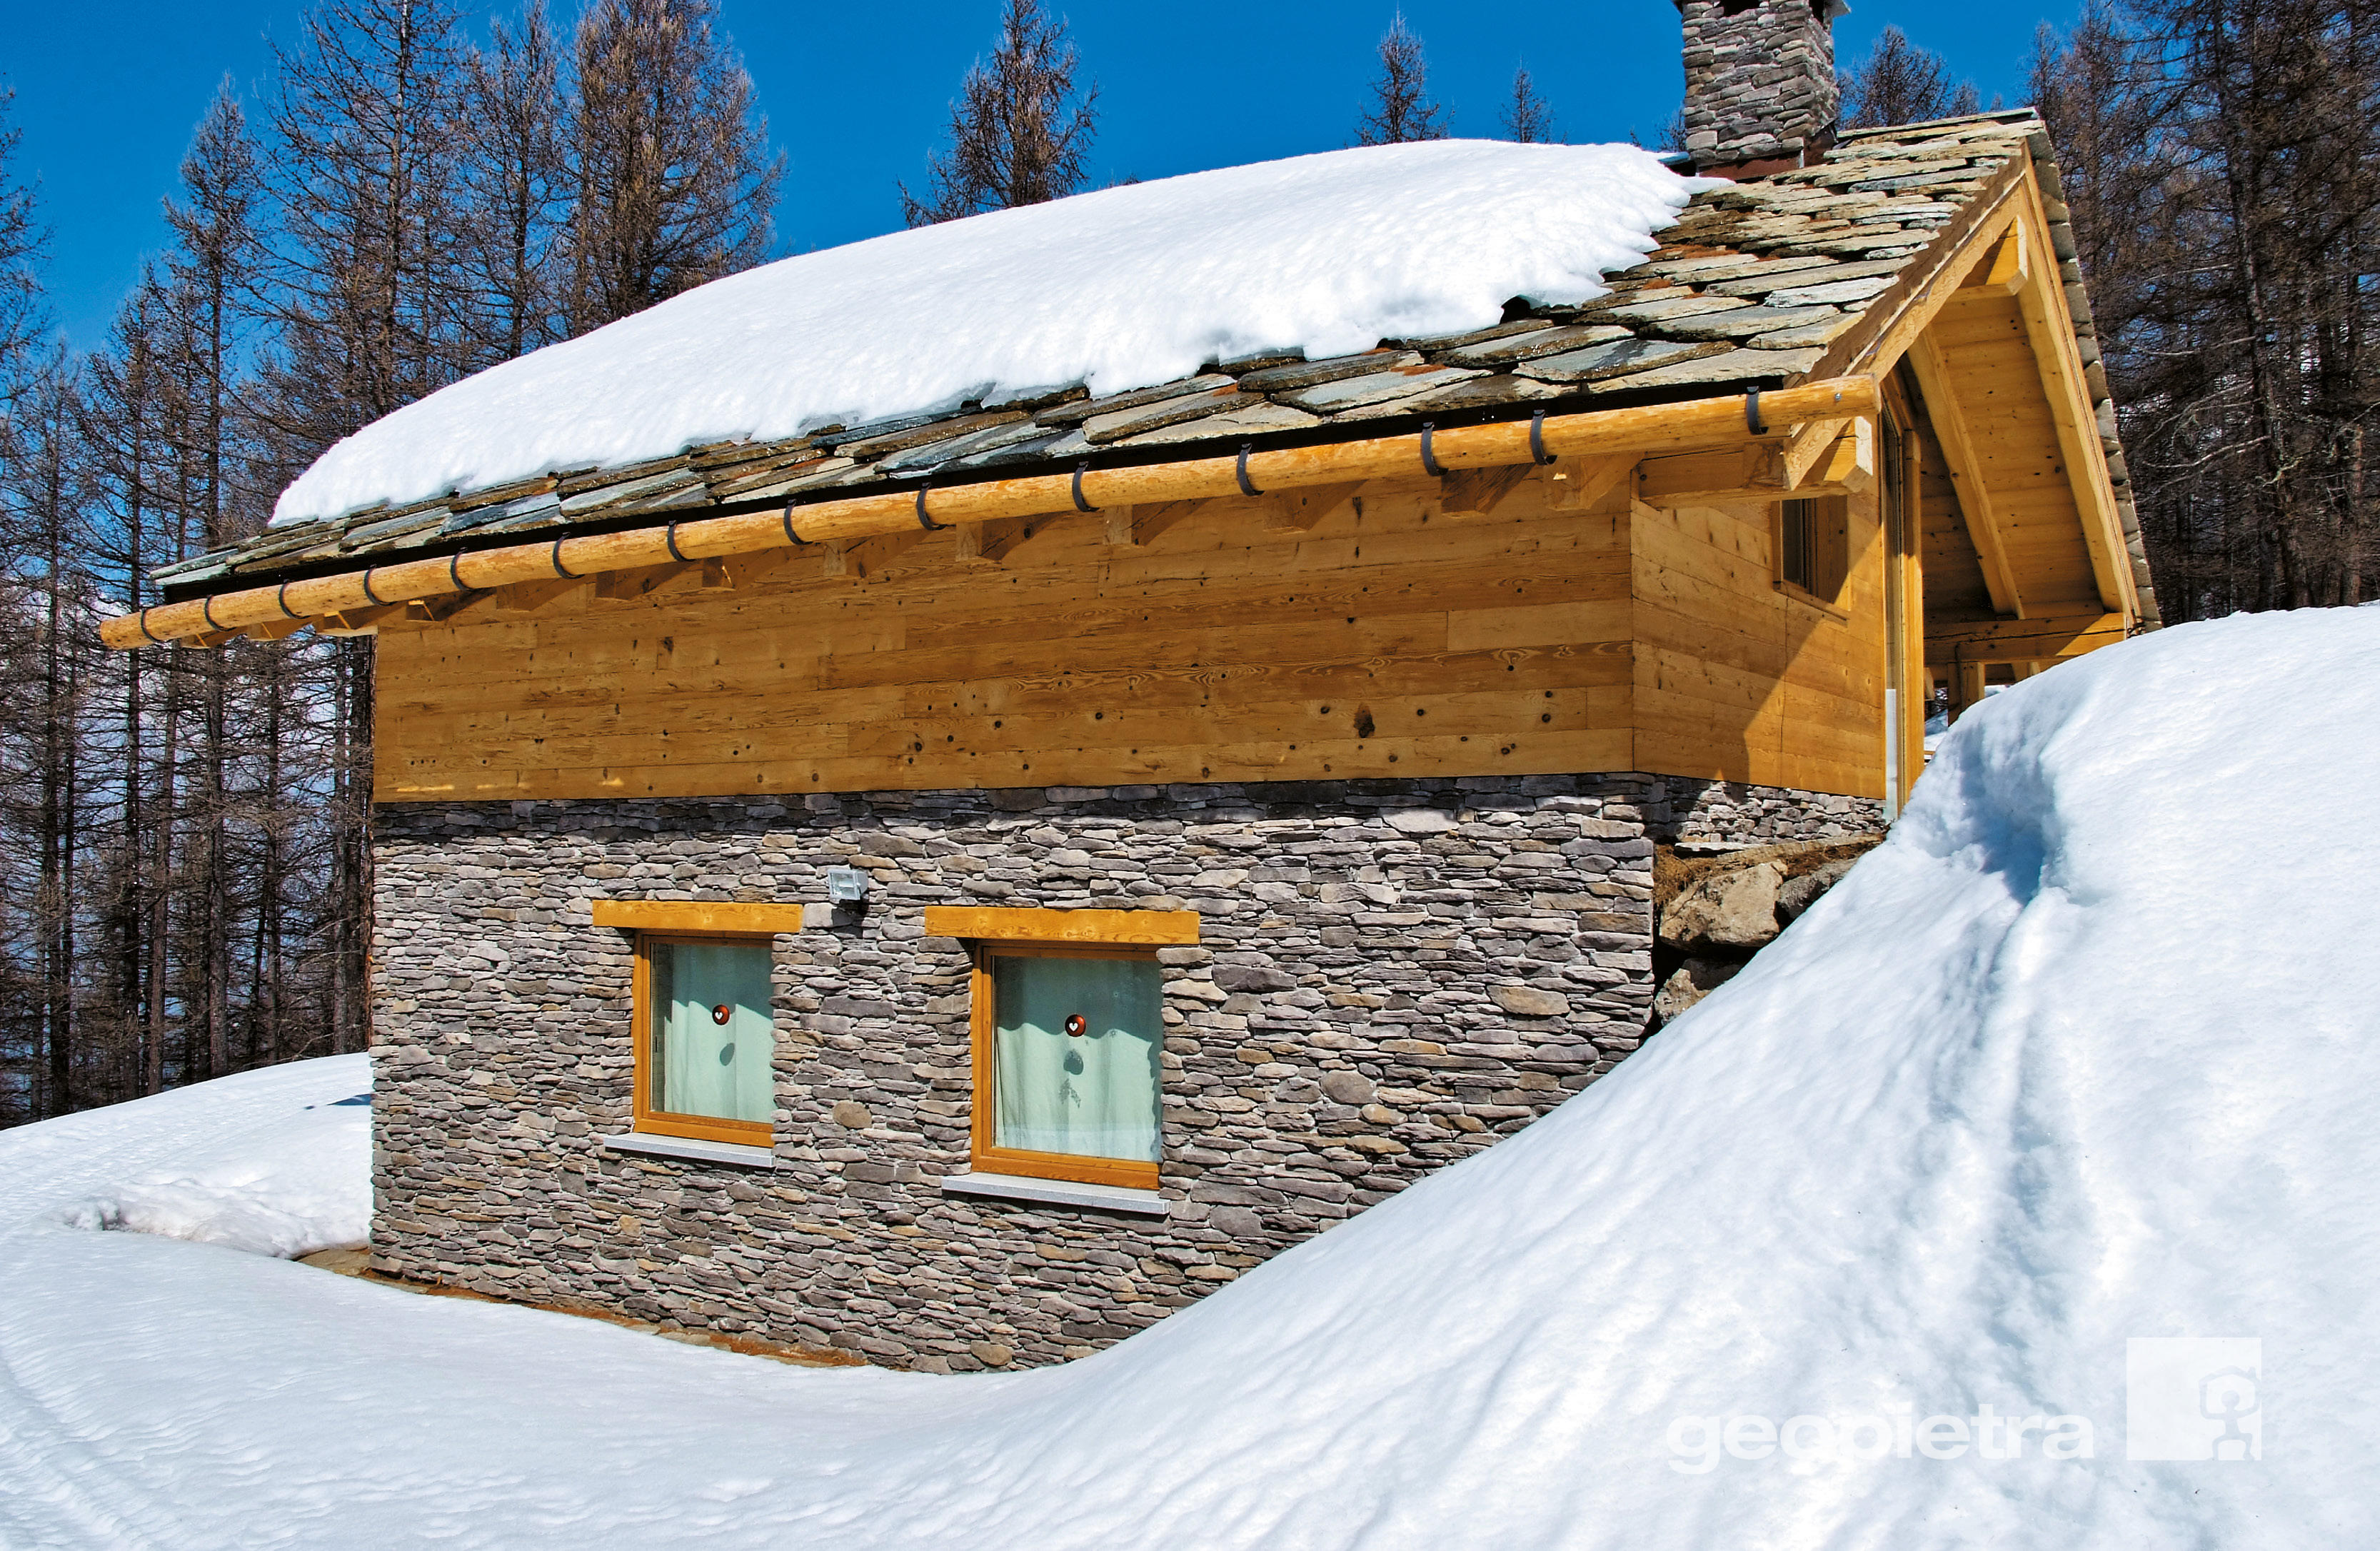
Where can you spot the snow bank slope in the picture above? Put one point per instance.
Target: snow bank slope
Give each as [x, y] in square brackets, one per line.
[248, 1130]
[2083, 1054]
[296, 1180]
[1121, 288]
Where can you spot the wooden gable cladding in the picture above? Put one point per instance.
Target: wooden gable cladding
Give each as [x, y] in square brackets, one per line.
[1386, 640]
[2006, 392]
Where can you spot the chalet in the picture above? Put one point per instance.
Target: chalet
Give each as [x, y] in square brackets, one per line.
[947, 889]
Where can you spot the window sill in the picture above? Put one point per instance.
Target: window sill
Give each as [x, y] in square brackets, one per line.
[1811, 599]
[1059, 1192]
[691, 1149]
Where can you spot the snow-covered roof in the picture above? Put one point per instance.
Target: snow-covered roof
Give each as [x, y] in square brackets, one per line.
[1123, 288]
[1354, 293]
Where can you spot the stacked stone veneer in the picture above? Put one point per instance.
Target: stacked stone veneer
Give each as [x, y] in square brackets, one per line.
[1760, 78]
[1392, 976]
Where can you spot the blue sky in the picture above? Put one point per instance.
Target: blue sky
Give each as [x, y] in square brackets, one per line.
[857, 95]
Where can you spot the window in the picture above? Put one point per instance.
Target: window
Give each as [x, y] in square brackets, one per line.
[1813, 541]
[700, 1018]
[1073, 1050]
[1069, 1037]
[707, 1039]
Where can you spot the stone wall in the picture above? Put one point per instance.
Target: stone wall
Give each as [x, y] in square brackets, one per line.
[1693, 812]
[1392, 976]
[1760, 78]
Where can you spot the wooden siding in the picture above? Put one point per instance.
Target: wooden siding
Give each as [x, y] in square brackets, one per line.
[1388, 641]
[1737, 680]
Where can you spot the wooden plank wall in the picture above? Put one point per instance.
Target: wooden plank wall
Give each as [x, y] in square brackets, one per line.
[1739, 681]
[1392, 641]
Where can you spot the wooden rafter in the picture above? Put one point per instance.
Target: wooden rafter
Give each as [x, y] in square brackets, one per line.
[1477, 492]
[641, 580]
[743, 570]
[1957, 441]
[989, 543]
[2023, 640]
[1807, 446]
[527, 597]
[2051, 329]
[1297, 511]
[1574, 484]
[1142, 523]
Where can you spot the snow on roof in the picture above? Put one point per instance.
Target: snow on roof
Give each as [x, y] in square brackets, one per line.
[1121, 288]
[2061, 1066]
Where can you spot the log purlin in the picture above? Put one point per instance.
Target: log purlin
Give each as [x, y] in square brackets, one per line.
[1653, 428]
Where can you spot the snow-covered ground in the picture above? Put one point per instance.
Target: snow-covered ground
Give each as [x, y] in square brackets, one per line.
[2071, 1073]
[1120, 288]
[245, 1168]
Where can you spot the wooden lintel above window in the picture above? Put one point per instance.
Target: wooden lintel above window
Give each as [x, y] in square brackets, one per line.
[1148, 927]
[698, 916]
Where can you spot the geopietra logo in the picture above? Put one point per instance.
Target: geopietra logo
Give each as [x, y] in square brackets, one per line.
[2193, 1398]
[1895, 1431]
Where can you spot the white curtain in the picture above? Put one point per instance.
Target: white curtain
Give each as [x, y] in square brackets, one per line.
[724, 1070]
[1093, 1095]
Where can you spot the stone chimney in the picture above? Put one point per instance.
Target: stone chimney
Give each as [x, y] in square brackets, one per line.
[1760, 83]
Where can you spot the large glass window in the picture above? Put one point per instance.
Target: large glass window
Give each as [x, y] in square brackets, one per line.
[707, 1065]
[1068, 1082]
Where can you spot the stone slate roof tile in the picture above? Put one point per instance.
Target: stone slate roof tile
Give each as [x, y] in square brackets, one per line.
[1258, 417]
[1373, 388]
[1824, 331]
[1117, 424]
[1726, 367]
[1747, 288]
[1744, 323]
[1618, 357]
[1305, 374]
[889, 443]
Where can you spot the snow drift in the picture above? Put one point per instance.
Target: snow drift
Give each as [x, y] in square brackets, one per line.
[303, 1184]
[2080, 1058]
[1121, 288]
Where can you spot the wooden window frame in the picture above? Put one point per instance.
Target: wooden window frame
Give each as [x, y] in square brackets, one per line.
[987, 1156]
[992, 933]
[1828, 513]
[663, 1123]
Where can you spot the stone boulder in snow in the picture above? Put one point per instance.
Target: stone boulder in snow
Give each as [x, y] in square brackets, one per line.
[1734, 909]
[1690, 982]
[1800, 893]
[1715, 912]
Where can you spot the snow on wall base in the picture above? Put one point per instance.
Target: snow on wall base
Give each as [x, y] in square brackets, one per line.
[1392, 976]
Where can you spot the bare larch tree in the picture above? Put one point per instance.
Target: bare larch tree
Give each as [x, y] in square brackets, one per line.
[1901, 83]
[1402, 109]
[515, 177]
[2223, 162]
[1526, 118]
[675, 184]
[1020, 130]
[23, 317]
